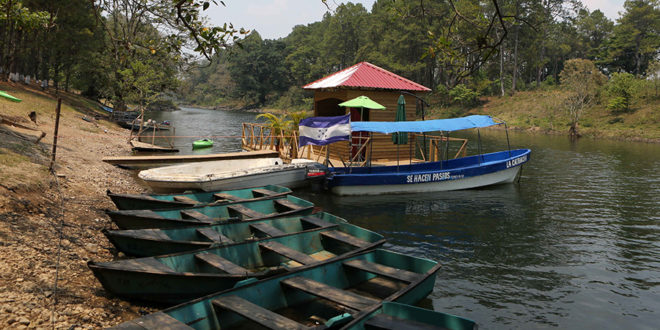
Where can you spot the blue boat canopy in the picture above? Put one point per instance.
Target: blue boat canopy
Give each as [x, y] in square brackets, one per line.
[446, 125]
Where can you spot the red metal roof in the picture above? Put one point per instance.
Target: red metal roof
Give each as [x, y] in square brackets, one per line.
[366, 75]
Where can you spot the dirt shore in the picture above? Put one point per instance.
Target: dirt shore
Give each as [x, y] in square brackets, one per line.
[50, 224]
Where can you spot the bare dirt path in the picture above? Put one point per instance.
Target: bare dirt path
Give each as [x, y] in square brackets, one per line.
[35, 206]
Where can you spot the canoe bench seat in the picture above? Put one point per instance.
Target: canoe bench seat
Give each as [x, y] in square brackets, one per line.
[196, 215]
[255, 313]
[260, 192]
[384, 321]
[287, 252]
[287, 204]
[152, 234]
[243, 211]
[384, 271]
[345, 238]
[221, 263]
[149, 264]
[342, 297]
[318, 222]
[158, 320]
[184, 199]
[214, 236]
[227, 197]
[266, 229]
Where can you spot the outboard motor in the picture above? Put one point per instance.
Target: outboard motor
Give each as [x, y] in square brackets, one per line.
[315, 173]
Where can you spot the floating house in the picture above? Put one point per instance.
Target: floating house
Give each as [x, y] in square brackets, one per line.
[381, 86]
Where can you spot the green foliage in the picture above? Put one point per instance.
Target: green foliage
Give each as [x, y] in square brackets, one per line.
[621, 88]
[581, 81]
[463, 95]
[636, 39]
[277, 123]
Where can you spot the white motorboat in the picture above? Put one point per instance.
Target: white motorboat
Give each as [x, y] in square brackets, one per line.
[226, 174]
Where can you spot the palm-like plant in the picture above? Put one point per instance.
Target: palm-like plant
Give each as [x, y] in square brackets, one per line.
[296, 117]
[277, 124]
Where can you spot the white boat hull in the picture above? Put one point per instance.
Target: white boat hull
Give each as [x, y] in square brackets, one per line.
[225, 175]
[291, 178]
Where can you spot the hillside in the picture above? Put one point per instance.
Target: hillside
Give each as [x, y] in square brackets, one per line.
[35, 205]
[542, 111]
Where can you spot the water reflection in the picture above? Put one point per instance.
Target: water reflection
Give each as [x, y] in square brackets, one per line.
[575, 245]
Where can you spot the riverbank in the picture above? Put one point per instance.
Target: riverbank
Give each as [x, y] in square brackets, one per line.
[542, 111]
[45, 279]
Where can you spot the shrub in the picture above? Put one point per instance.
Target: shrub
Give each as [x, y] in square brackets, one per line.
[621, 87]
[463, 95]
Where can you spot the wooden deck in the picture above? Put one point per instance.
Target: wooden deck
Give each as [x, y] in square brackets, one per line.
[146, 162]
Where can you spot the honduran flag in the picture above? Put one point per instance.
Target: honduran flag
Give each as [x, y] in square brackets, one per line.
[324, 130]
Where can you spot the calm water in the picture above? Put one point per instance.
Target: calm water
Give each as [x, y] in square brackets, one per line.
[575, 245]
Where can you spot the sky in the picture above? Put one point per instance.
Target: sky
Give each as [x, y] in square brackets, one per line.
[275, 19]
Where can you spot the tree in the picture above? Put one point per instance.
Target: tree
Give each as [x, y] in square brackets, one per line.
[653, 74]
[17, 22]
[636, 39]
[258, 69]
[581, 81]
[621, 88]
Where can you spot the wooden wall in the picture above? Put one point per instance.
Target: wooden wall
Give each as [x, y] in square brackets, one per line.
[383, 147]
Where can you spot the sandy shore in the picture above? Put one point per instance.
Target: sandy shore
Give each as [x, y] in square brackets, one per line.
[44, 279]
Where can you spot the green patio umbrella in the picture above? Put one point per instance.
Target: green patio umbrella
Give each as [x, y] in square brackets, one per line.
[400, 138]
[362, 102]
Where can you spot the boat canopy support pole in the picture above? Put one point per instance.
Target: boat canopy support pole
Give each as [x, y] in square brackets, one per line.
[506, 130]
[447, 148]
[479, 150]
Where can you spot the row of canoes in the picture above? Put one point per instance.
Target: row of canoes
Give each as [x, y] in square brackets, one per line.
[254, 260]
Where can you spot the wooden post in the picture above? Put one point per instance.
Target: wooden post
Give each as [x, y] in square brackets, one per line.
[57, 126]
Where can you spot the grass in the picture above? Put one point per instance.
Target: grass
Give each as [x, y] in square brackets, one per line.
[542, 110]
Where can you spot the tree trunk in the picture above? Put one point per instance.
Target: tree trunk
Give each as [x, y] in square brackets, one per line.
[515, 62]
[502, 69]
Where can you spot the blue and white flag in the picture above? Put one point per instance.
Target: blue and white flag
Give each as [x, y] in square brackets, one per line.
[324, 130]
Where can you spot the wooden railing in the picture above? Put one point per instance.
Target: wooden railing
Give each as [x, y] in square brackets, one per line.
[256, 136]
[435, 143]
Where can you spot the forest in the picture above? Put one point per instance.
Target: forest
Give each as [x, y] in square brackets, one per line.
[137, 52]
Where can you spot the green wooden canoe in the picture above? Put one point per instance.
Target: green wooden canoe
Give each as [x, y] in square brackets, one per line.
[9, 97]
[331, 292]
[179, 277]
[206, 215]
[391, 315]
[155, 241]
[203, 143]
[159, 201]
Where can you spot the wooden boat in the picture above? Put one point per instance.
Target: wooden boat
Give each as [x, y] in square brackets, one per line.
[206, 215]
[147, 162]
[156, 201]
[203, 143]
[226, 174]
[131, 124]
[148, 147]
[329, 293]
[176, 278]
[454, 174]
[391, 315]
[153, 242]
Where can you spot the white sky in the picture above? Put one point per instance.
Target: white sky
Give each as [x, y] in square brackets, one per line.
[275, 18]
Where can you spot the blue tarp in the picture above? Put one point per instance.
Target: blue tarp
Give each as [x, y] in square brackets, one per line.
[446, 125]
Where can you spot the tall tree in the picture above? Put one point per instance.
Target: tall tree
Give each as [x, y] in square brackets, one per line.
[581, 81]
[636, 39]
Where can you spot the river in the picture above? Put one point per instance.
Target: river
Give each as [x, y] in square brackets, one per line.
[576, 244]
